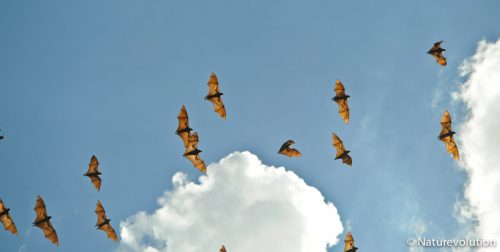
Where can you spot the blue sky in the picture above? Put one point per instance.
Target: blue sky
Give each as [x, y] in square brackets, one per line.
[107, 78]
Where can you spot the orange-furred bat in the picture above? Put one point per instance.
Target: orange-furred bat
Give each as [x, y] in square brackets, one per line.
[222, 249]
[42, 221]
[6, 219]
[341, 99]
[193, 153]
[103, 223]
[183, 129]
[446, 135]
[437, 52]
[215, 96]
[287, 151]
[342, 153]
[93, 173]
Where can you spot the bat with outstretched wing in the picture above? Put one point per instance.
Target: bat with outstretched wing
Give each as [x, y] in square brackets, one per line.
[287, 151]
[193, 153]
[183, 130]
[6, 219]
[103, 223]
[215, 96]
[341, 99]
[437, 52]
[342, 153]
[446, 135]
[93, 173]
[222, 249]
[42, 221]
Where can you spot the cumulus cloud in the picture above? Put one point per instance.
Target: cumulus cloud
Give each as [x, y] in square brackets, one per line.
[479, 137]
[241, 203]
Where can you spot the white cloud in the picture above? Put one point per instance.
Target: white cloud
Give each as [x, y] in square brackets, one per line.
[479, 139]
[241, 203]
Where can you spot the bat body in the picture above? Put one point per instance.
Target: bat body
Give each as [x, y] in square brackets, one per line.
[287, 151]
[183, 130]
[93, 173]
[341, 99]
[446, 135]
[6, 219]
[42, 221]
[215, 96]
[342, 153]
[437, 52]
[193, 153]
[222, 249]
[103, 223]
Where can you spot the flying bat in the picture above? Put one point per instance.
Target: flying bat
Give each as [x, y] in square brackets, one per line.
[341, 99]
[215, 96]
[6, 219]
[287, 151]
[342, 153]
[93, 173]
[193, 153]
[103, 223]
[42, 221]
[437, 52]
[446, 135]
[183, 129]
[222, 249]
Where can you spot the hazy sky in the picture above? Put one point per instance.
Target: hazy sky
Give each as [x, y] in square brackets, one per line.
[107, 78]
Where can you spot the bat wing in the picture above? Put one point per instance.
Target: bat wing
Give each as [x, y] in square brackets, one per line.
[452, 148]
[49, 232]
[287, 151]
[213, 84]
[343, 109]
[93, 165]
[198, 163]
[338, 144]
[192, 143]
[183, 124]
[96, 181]
[6, 219]
[222, 249]
[101, 214]
[346, 159]
[445, 123]
[40, 210]
[219, 107]
[339, 88]
[108, 229]
[441, 60]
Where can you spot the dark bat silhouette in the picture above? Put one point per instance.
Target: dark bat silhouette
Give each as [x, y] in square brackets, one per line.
[42, 221]
[183, 129]
[341, 99]
[287, 151]
[222, 249]
[215, 96]
[349, 243]
[342, 153]
[6, 219]
[446, 135]
[437, 52]
[93, 173]
[103, 223]
[193, 153]
[1, 137]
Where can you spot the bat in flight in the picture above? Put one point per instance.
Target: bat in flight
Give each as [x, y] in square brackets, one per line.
[42, 221]
[103, 223]
[215, 96]
[183, 130]
[93, 173]
[6, 219]
[437, 52]
[287, 151]
[446, 135]
[341, 99]
[193, 153]
[222, 249]
[342, 153]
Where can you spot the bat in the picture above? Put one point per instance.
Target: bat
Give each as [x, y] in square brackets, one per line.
[183, 129]
[342, 153]
[349, 243]
[437, 52]
[6, 219]
[215, 96]
[93, 173]
[42, 221]
[103, 223]
[193, 153]
[222, 249]
[287, 151]
[446, 135]
[1, 137]
[341, 99]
